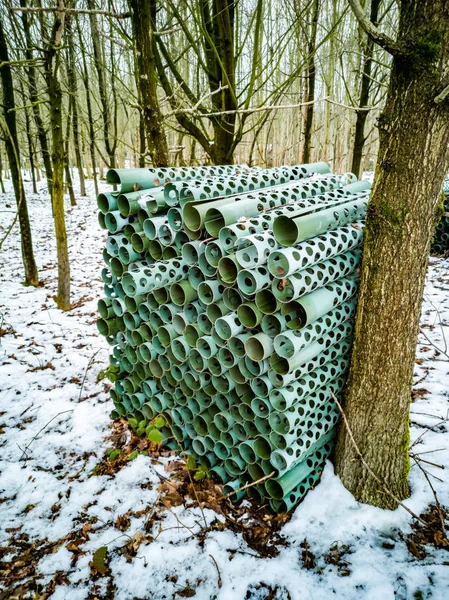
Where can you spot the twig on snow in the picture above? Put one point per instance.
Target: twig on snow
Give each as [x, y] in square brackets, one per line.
[426, 431]
[42, 429]
[85, 372]
[433, 343]
[437, 502]
[219, 583]
[369, 469]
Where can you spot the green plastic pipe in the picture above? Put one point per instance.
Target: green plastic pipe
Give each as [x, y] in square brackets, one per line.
[129, 179]
[107, 202]
[216, 310]
[249, 315]
[214, 252]
[182, 293]
[290, 231]
[309, 308]
[228, 269]
[232, 298]
[258, 347]
[296, 495]
[210, 292]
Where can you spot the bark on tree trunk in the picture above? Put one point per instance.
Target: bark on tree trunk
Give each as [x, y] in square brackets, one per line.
[58, 157]
[69, 185]
[34, 97]
[71, 76]
[30, 149]
[12, 151]
[217, 40]
[310, 96]
[220, 29]
[2, 185]
[157, 146]
[142, 142]
[85, 77]
[359, 136]
[68, 174]
[405, 200]
[109, 121]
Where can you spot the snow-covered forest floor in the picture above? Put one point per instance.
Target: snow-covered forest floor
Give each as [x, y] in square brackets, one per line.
[62, 501]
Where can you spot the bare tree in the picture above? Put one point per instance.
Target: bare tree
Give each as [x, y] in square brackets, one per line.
[90, 117]
[365, 87]
[107, 88]
[9, 130]
[72, 85]
[52, 54]
[33, 90]
[146, 78]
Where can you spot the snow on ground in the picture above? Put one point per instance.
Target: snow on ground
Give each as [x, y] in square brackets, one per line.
[54, 418]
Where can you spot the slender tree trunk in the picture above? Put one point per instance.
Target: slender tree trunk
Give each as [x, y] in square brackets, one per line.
[359, 137]
[85, 77]
[329, 82]
[58, 156]
[221, 30]
[142, 141]
[69, 184]
[68, 174]
[179, 156]
[35, 97]
[405, 200]
[87, 165]
[109, 122]
[12, 150]
[192, 157]
[2, 185]
[71, 76]
[311, 75]
[30, 149]
[145, 68]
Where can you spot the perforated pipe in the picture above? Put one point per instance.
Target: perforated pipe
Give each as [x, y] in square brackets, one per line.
[193, 336]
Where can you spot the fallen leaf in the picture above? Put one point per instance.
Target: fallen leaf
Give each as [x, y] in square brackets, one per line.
[98, 560]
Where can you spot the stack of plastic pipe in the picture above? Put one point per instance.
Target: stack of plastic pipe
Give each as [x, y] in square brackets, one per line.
[230, 296]
[440, 242]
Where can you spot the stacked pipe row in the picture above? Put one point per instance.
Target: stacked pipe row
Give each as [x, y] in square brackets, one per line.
[440, 242]
[230, 295]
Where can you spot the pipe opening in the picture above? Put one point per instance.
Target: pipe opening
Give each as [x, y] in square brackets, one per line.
[191, 217]
[262, 448]
[266, 302]
[213, 222]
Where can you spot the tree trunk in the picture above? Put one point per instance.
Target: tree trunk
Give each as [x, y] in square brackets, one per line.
[142, 142]
[68, 174]
[35, 98]
[12, 151]
[71, 76]
[359, 137]
[405, 200]
[219, 65]
[109, 124]
[220, 29]
[179, 156]
[30, 149]
[2, 185]
[85, 77]
[311, 74]
[69, 185]
[58, 157]
[145, 68]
